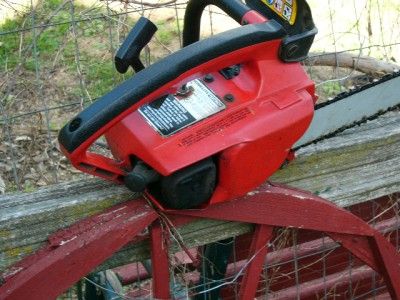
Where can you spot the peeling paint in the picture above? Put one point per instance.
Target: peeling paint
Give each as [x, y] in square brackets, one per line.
[67, 241]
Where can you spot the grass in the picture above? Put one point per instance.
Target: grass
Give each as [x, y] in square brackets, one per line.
[331, 89]
[167, 31]
[57, 43]
[15, 47]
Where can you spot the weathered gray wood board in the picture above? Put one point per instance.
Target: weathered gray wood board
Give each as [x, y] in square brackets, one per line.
[360, 164]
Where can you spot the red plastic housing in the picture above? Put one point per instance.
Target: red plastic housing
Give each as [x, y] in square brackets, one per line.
[273, 106]
[251, 138]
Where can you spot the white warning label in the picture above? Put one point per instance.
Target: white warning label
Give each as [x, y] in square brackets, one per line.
[171, 113]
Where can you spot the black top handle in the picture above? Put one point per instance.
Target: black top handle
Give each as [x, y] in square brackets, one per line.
[112, 107]
[194, 10]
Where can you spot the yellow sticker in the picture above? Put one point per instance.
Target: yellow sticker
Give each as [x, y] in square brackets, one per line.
[286, 9]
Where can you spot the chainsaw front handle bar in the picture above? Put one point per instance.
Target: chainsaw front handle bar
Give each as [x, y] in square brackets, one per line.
[194, 10]
[158, 80]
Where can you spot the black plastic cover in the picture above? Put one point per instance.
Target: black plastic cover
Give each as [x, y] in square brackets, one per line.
[296, 45]
[187, 188]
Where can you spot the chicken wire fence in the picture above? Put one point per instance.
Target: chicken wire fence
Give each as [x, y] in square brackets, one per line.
[56, 57]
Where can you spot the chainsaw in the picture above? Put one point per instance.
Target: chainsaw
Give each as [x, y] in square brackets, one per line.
[195, 132]
[214, 120]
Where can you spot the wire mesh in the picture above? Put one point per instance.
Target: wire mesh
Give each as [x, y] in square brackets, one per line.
[56, 57]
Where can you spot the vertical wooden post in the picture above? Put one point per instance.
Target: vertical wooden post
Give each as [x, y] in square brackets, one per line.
[258, 251]
[160, 261]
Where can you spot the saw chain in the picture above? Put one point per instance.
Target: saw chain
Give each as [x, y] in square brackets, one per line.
[344, 95]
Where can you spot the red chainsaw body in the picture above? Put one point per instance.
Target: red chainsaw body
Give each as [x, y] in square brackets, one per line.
[248, 140]
[273, 106]
[240, 145]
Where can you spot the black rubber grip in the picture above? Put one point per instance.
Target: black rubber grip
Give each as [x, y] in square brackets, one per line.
[128, 53]
[130, 92]
[236, 9]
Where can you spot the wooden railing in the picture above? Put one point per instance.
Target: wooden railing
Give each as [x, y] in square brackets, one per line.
[358, 165]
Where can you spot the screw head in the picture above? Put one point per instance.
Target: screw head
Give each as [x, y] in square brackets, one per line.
[208, 78]
[292, 49]
[229, 98]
